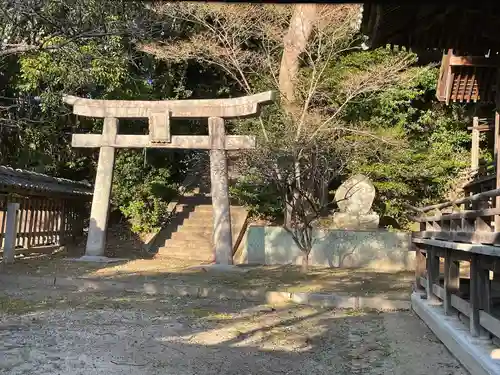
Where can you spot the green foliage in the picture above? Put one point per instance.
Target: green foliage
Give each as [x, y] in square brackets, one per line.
[436, 144]
[262, 200]
[105, 63]
[141, 192]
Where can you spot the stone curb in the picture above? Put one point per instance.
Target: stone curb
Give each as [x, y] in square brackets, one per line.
[257, 295]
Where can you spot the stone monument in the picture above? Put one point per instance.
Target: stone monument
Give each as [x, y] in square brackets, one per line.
[354, 199]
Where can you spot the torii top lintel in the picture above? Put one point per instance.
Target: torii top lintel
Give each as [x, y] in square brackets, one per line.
[190, 108]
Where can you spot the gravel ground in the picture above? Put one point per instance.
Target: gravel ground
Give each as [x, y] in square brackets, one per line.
[47, 332]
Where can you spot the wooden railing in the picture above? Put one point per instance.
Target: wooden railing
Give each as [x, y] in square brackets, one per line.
[481, 179]
[460, 233]
[43, 221]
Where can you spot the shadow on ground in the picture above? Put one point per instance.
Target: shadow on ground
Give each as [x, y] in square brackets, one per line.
[81, 332]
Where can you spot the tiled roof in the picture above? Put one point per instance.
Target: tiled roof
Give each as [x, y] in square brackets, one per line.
[26, 180]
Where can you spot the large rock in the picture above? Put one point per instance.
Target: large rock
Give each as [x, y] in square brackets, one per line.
[349, 221]
[355, 195]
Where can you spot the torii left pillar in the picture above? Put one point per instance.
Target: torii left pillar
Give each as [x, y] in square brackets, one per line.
[96, 239]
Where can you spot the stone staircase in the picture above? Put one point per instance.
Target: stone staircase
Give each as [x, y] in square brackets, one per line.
[188, 235]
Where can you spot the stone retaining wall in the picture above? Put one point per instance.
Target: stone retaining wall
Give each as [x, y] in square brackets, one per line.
[388, 251]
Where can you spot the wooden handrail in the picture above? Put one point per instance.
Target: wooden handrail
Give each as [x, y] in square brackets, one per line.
[471, 198]
[468, 214]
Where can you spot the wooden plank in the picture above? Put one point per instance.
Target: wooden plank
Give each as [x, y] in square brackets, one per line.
[475, 197]
[36, 224]
[477, 61]
[62, 228]
[420, 265]
[201, 142]
[490, 323]
[51, 223]
[482, 128]
[438, 291]
[197, 108]
[465, 237]
[475, 301]
[468, 214]
[21, 217]
[470, 248]
[3, 210]
[444, 76]
[451, 280]
[26, 222]
[57, 234]
[432, 266]
[46, 221]
[475, 144]
[31, 222]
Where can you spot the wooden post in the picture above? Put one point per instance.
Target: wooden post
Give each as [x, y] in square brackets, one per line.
[485, 296]
[9, 248]
[451, 280]
[31, 222]
[222, 236]
[62, 225]
[432, 265]
[474, 152]
[476, 290]
[96, 240]
[419, 262]
[497, 158]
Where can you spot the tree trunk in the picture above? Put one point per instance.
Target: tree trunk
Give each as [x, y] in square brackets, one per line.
[294, 43]
[305, 261]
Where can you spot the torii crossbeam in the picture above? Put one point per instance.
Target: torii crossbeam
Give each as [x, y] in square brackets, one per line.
[159, 113]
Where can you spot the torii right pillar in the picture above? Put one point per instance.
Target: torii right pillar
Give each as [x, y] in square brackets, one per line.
[221, 235]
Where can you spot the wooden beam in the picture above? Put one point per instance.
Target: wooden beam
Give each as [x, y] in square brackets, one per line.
[472, 61]
[444, 76]
[481, 128]
[451, 280]
[432, 265]
[469, 248]
[455, 236]
[468, 214]
[202, 142]
[197, 108]
[475, 197]
[475, 300]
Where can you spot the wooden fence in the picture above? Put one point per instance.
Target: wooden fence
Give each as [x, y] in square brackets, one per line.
[43, 221]
[462, 234]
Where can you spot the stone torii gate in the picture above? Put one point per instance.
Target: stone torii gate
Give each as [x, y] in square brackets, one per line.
[159, 113]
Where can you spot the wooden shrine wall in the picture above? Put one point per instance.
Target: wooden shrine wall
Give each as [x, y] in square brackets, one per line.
[45, 220]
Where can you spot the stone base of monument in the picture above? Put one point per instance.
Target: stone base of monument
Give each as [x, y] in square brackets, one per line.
[97, 259]
[219, 268]
[352, 221]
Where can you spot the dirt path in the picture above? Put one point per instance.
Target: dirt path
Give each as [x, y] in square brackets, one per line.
[53, 332]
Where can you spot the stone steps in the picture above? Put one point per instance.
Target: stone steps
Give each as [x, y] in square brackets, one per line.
[185, 254]
[188, 242]
[189, 234]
